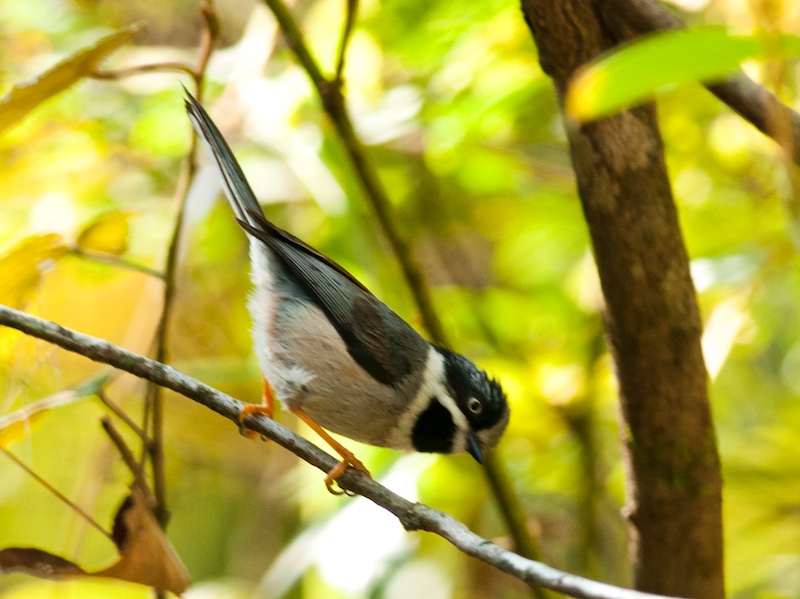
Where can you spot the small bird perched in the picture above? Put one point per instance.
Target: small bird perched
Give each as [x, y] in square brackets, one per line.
[339, 358]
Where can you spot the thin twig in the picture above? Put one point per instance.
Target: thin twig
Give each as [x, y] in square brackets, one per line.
[154, 401]
[144, 68]
[120, 413]
[208, 38]
[511, 509]
[333, 102]
[63, 498]
[93, 385]
[118, 262]
[413, 516]
[140, 480]
[350, 19]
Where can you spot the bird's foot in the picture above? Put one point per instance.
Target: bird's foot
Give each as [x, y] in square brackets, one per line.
[266, 407]
[339, 469]
[348, 459]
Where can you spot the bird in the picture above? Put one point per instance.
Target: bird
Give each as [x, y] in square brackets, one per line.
[340, 359]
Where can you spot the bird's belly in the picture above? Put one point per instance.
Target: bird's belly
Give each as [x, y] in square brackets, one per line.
[308, 366]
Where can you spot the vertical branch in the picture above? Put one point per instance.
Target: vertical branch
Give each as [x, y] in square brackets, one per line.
[330, 94]
[350, 19]
[154, 404]
[512, 512]
[580, 415]
[652, 322]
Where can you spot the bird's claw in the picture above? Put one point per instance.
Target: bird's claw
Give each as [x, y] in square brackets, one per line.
[249, 410]
[267, 408]
[339, 469]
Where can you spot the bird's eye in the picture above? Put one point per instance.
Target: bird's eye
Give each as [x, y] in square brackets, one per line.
[474, 405]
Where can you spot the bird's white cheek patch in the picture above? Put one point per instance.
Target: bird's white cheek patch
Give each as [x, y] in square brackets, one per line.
[433, 385]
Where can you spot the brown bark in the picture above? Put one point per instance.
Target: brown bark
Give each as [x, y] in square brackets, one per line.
[652, 322]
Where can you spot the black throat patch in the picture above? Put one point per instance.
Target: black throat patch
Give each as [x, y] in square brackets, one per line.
[434, 430]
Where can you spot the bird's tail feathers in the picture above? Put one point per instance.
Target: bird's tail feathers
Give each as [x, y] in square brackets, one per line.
[237, 189]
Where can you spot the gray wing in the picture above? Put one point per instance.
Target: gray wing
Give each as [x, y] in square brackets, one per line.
[378, 339]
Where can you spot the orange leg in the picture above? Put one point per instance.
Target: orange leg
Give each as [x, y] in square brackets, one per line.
[348, 459]
[266, 407]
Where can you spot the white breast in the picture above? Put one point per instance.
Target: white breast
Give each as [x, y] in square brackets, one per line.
[308, 365]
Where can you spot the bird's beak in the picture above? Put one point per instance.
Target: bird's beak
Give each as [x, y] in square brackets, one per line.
[474, 448]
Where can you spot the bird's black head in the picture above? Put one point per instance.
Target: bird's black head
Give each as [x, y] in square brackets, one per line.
[479, 398]
[464, 409]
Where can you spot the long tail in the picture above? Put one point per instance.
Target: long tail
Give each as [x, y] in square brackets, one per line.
[240, 195]
[297, 255]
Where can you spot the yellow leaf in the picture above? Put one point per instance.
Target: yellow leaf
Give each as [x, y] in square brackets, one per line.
[13, 426]
[21, 269]
[106, 235]
[23, 98]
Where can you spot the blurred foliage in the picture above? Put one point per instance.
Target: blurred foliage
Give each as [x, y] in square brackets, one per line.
[464, 128]
[622, 77]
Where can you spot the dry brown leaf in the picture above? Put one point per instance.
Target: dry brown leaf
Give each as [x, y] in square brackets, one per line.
[37, 563]
[145, 555]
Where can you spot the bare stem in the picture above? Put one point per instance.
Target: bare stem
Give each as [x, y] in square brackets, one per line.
[350, 19]
[63, 498]
[154, 403]
[140, 480]
[120, 413]
[118, 262]
[144, 68]
[333, 102]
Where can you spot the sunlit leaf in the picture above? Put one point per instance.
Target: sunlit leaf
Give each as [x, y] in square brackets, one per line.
[78, 588]
[15, 425]
[146, 557]
[106, 235]
[23, 98]
[633, 73]
[21, 269]
[17, 429]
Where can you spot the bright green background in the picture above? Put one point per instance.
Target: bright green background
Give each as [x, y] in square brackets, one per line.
[463, 126]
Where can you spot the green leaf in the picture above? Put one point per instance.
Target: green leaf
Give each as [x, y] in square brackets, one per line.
[635, 72]
[23, 98]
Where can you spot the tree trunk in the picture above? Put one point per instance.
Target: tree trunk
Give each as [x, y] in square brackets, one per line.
[652, 322]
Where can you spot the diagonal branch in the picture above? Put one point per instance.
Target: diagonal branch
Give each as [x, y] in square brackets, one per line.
[413, 516]
[154, 413]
